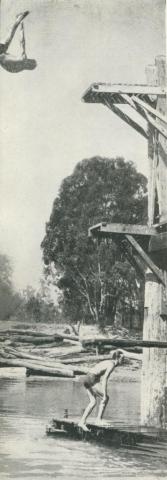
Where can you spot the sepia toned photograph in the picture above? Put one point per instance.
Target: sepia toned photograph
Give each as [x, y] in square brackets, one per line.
[83, 240]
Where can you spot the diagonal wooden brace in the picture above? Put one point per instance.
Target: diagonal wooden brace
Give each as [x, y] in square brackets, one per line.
[157, 272]
[134, 102]
[132, 257]
[126, 118]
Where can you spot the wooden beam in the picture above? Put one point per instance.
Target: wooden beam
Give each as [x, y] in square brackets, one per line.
[153, 162]
[110, 88]
[121, 228]
[134, 101]
[141, 89]
[157, 125]
[126, 118]
[150, 264]
[134, 259]
[95, 228]
[129, 100]
[148, 107]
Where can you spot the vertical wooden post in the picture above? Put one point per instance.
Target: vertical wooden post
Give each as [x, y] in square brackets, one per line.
[155, 321]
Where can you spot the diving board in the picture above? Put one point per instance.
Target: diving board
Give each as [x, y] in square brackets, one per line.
[106, 433]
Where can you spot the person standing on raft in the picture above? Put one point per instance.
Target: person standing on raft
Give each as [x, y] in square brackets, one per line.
[9, 62]
[96, 382]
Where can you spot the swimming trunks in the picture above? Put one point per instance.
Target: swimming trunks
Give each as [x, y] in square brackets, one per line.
[91, 379]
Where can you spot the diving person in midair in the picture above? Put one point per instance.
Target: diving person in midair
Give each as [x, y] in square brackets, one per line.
[12, 63]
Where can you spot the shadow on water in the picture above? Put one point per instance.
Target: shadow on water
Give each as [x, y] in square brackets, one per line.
[27, 406]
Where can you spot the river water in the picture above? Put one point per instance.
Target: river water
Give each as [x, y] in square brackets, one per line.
[26, 407]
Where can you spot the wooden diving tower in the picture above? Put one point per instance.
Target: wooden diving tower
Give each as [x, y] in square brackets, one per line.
[146, 245]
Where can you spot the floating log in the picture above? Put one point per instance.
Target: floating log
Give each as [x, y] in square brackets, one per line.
[119, 342]
[45, 373]
[105, 433]
[58, 371]
[12, 355]
[48, 372]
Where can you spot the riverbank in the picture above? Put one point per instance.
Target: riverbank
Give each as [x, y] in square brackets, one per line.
[59, 350]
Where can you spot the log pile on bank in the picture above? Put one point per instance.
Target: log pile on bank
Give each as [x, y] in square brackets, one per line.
[16, 336]
[16, 348]
[63, 354]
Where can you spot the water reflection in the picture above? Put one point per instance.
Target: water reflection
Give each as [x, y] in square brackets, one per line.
[27, 405]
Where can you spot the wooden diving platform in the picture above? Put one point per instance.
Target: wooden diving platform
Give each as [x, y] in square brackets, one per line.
[142, 98]
[109, 434]
[141, 239]
[93, 93]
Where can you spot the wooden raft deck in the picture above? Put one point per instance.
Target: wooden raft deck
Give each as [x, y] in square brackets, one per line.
[109, 434]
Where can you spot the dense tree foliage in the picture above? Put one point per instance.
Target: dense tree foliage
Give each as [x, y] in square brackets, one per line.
[94, 276]
[9, 298]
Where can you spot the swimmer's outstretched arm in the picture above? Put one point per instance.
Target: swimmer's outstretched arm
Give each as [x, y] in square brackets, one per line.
[105, 379]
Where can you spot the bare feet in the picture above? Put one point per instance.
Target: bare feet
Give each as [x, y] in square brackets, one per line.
[99, 421]
[84, 427]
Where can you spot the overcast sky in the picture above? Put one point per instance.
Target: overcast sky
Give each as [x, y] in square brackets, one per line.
[45, 129]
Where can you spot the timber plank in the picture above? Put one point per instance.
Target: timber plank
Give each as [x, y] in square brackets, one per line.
[92, 94]
[121, 228]
[106, 433]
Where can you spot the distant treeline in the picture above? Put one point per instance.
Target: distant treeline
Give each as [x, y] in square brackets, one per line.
[26, 306]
